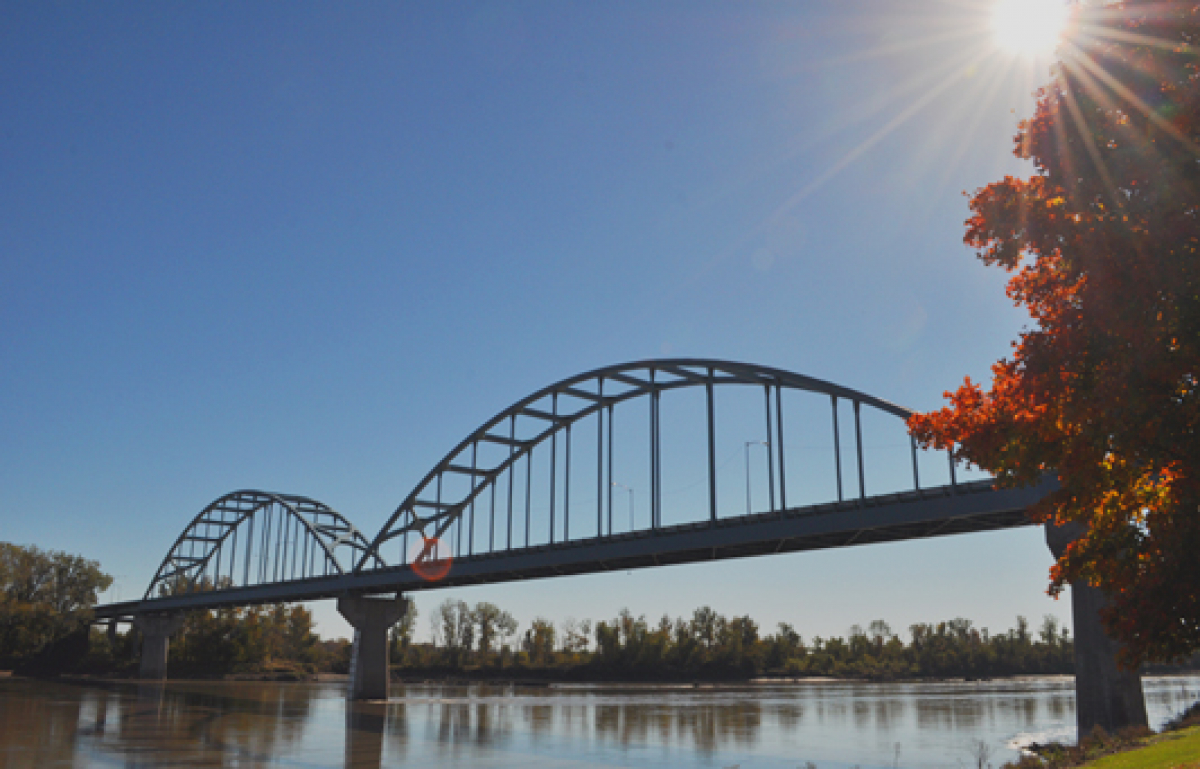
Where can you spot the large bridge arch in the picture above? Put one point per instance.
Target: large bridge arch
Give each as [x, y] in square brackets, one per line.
[427, 514]
[248, 538]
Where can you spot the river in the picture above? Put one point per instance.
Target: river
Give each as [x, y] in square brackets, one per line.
[834, 725]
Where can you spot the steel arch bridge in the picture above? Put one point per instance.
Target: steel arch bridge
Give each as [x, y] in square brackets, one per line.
[530, 493]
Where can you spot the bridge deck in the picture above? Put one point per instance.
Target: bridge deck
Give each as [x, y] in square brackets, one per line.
[940, 511]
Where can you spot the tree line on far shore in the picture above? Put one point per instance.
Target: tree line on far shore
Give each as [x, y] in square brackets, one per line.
[483, 641]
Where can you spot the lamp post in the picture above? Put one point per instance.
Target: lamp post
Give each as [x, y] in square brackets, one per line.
[623, 486]
[746, 449]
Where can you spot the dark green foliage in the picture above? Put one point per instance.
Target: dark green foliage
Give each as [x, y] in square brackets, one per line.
[46, 599]
[254, 639]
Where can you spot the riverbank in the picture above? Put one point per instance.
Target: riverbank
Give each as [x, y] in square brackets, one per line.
[1171, 750]
[1178, 749]
[1176, 746]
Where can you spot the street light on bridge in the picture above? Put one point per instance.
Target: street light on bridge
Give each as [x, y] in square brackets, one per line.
[623, 486]
[747, 452]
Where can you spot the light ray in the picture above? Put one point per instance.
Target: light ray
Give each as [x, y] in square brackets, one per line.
[996, 78]
[887, 128]
[906, 46]
[957, 72]
[1122, 36]
[1078, 56]
[1077, 117]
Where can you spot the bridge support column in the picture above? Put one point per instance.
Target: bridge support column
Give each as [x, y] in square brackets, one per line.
[156, 632]
[371, 619]
[1105, 695]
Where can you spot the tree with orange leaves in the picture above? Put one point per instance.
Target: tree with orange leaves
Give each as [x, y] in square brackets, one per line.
[1103, 245]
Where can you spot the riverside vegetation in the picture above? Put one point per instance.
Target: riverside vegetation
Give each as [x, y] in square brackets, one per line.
[482, 641]
[45, 626]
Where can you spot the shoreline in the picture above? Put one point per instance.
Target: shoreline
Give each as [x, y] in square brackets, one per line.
[432, 678]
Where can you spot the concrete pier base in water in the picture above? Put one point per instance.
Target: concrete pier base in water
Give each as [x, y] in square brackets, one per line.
[156, 630]
[1105, 695]
[371, 618]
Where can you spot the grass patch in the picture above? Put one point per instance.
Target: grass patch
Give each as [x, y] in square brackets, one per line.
[1172, 750]
[1177, 748]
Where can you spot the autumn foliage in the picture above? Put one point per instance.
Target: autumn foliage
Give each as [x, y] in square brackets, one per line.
[1102, 244]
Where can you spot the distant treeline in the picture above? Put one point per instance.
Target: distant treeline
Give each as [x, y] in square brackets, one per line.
[483, 641]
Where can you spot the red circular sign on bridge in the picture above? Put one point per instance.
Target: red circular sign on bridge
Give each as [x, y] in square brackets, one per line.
[430, 559]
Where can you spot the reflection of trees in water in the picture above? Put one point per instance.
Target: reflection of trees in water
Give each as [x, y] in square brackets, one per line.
[540, 719]
[216, 724]
[1061, 706]
[706, 727]
[862, 713]
[465, 725]
[889, 713]
[789, 715]
[835, 710]
[397, 728]
[36, 730]
[967, 712]
[200, 723]
[878, 712]
[1174, 697]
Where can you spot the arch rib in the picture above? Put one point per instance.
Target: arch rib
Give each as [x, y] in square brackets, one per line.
[640, 378]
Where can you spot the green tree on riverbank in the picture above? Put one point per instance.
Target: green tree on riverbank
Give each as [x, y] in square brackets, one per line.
[46, 598]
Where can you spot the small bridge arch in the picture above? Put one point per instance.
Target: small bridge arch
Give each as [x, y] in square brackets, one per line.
[248, 538]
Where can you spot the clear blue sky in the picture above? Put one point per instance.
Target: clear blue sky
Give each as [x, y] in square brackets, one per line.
[309, 247]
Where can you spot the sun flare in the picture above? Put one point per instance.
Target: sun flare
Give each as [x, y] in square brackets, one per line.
[1028, 27]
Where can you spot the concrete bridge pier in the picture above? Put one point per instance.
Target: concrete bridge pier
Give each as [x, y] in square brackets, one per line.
[371, 619]
[1105, 695]
[156, 630]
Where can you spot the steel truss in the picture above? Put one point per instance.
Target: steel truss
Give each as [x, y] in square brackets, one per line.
[251, 538]
[428, 513]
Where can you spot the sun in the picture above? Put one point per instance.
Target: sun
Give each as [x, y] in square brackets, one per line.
[1028, 27]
